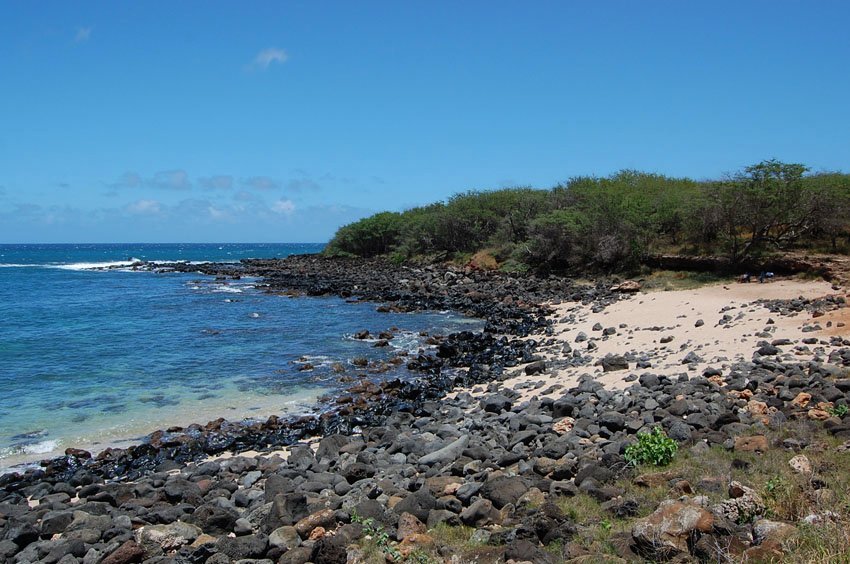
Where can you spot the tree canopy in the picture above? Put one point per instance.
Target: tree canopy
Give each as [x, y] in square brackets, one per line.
[613, 223]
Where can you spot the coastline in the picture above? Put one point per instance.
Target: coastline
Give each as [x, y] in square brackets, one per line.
[294, 283]
[508, 393]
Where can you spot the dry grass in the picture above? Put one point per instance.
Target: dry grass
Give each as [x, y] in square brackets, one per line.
[670, 280]
[788, 496]
[827, 543]
[484, 260]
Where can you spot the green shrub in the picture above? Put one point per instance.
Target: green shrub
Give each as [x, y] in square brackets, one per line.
[838, 410]
[654, 448]
[615, 223]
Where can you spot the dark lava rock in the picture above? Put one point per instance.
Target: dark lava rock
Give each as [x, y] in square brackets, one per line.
[417, 504]
[248, 546]
[692, 358]
[20, 532]
[298, 555]
[611, 363]
[213, 520]
[495, 403]
[330, 446]
[286, 509]
[612, 420]
[504, 490]
[277, 484]
[537, 367]
[649, 380]
[525, 551]
[768, 350]
[358, 471]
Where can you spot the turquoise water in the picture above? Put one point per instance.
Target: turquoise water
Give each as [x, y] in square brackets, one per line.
[97, 358]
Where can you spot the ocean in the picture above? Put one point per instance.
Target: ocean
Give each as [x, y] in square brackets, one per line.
[97, 358]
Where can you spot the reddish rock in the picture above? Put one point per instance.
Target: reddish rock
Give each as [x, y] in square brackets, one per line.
[802, 400]
[772, 533]
[408, 526]
[78, 453]
[757, 443]
[666, 532]
[627, 286]
[655, 479]
[128, 553]
[324, 518]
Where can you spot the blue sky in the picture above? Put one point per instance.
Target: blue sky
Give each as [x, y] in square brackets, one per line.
[280, 121]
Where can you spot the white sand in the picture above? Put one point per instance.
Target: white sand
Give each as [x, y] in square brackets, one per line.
[636, 320]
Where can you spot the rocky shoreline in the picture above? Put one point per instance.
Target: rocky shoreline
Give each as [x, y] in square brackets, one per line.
[391, 463]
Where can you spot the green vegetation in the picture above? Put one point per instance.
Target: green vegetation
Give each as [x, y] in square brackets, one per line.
[614, 223]
[838, 410]
[379, 538]
[788, 496]
[654, 448]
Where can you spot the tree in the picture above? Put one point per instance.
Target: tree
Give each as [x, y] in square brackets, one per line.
[765, 206]
[371, 236]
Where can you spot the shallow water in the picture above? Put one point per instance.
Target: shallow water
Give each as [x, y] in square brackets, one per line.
[94, 358]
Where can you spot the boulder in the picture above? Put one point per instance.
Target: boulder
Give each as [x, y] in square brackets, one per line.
[757, 443]
[537, 367]
[128, 553]
[772, 533]
[611, 363]
[448, 453]
[504, 490]
[408, 526]
[324, 518]
[627, 287]
[286, 509]
[495, 403]
[801, 465]
[743, 504]
[480, 513]
[666, 532]
[213, 519]
[522, 550]
[612, 420]
[285, 538]
[418, 504]
[156, 539]
[240, 548]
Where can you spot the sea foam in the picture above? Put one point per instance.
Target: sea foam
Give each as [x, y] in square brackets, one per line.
[41, 447]
[95, 265]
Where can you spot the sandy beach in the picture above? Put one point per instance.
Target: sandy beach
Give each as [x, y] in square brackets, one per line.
[656, 330]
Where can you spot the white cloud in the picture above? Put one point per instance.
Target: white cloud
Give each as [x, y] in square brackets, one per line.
[128, 180]
[283, 207]
[145, 207]
[216, 213]
[83, 34]
[261, 183]
[165, 180]
[268, 56]
[245, 196]
[171, 180]
[303, 184]
[218, 182]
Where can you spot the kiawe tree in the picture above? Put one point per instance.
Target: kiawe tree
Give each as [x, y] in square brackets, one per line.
[617, 222]
[766, 206]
